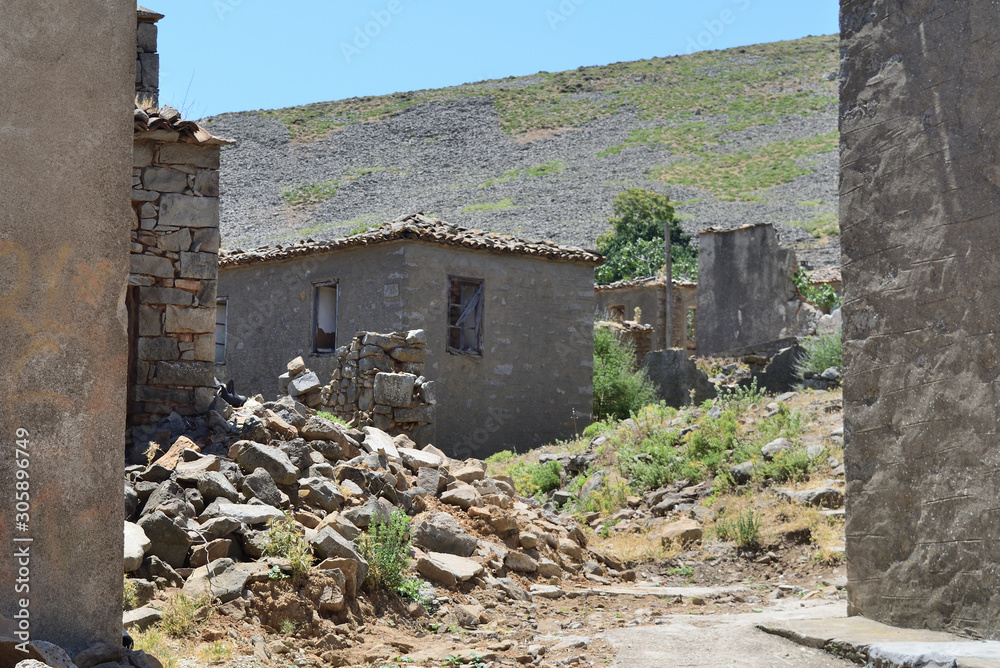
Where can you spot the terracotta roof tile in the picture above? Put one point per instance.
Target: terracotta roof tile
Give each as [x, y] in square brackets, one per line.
[824, 275]
[416, 228]
[169, 119]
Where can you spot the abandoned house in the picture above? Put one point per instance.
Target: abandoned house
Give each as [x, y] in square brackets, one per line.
[174, 250]
[649, 295]
[508, 323]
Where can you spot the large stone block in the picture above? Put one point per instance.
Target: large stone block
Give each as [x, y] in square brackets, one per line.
[164, 180]
[394, 389]
[920, 146]
[206, 240]
[199, 265]
[157, 348]
[189, 320]
[186, 210]
[175, 241]
[156, 295]
[190, 154]
[145, 39]
[150, 70]
[152, 265]
[675, 376]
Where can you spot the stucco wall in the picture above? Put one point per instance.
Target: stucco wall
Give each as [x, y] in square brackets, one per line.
[649, 297]
[920, 146]
[745, 291]
[537, 362]
[270, 310]
[64, 230]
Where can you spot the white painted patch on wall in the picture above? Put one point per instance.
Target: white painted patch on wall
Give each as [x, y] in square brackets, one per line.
[506, 342]
[493, 382]
[503, 369]
[390, 290]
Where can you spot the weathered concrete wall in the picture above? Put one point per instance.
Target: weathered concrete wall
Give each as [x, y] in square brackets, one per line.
[175, 245]
[920, 149]
[536, 370]
[64, 225]
[271, 310]
[745, 291]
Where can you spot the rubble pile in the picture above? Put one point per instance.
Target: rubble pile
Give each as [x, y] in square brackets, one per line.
[198, 516]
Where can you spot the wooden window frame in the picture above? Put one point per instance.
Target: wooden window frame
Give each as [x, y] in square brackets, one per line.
[314, 329]
[473, 309]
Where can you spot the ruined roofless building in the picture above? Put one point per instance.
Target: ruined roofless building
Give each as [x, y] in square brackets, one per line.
[920, 221]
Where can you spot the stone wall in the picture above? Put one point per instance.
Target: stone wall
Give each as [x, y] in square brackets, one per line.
[175, 244]
[64, 221]
[379, 381]
[745, 292]
[147, 62]
[650, 295]
[920, 149]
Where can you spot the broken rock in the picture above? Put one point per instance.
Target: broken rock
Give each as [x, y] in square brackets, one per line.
[448, 569]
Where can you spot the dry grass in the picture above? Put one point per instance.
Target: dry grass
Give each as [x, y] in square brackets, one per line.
[635, 547]
[153, 641]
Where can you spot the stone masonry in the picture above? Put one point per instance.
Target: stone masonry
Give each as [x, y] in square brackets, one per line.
[920, 182]
[379, 381]
[147, 61]
[174, 244]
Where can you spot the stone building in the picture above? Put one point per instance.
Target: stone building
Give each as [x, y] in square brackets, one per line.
[650, 296]
[920, 149]
[174, 245]
[508, 322]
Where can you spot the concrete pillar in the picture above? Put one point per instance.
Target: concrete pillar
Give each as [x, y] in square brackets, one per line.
[920, 222]
[65, 163]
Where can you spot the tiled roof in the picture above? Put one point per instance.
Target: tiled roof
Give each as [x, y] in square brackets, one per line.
[639, 283]
[824, 275]
[169, 120]
[147, 15]
[417, 227]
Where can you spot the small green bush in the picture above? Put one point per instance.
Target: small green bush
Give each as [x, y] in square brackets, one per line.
[285, 539]
[500, 457]
[331, 417]
[738, 399]
[652, 463]
[821, 353]
[787, 466]
[619, 390]
[536, 479]
[386, 548]
[130, 595]
[184, 615]
[743, 530]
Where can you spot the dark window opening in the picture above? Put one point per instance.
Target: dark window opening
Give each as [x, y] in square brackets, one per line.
[221, 326]
[325, 318]
[465, 316]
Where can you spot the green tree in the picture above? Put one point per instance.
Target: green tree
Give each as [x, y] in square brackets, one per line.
[634, 246]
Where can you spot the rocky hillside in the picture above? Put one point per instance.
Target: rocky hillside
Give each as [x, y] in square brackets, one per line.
[736, 136]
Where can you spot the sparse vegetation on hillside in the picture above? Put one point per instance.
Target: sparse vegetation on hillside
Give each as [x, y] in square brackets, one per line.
[822, 352]
[310, 193]
[634, 247]
[753, 85]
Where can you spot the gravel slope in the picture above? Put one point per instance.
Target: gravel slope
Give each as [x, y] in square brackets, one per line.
[436, 158]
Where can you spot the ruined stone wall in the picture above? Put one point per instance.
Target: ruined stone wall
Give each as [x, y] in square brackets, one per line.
[745, 291]
[67, 70]
[650, 295]
[379, 380]
[147, 61]
[174, 264]
[920, 149]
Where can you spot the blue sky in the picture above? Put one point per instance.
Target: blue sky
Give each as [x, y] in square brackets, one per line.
[234, 55]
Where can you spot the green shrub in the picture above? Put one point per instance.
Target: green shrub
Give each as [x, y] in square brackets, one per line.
[787, 466]
[184, 615]
[331, 417]
[386, 548]
[536, 479]
[738, 399]
[130, 594]
[652, 463]
[619, 390]
[821, 296]
[821, 353]
[285, 539]
[743, 530]
[500, 457]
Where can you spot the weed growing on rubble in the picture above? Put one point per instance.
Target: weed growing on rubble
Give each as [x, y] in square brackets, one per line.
[822, 352]
[331, 417]
[738, 399]
[286, 540]
[618, 389]
[183, 615]
[743, 530]
[130, 594]
[533, 480]
[386, 548]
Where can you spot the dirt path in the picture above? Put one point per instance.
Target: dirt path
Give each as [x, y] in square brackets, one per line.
[723, 641]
